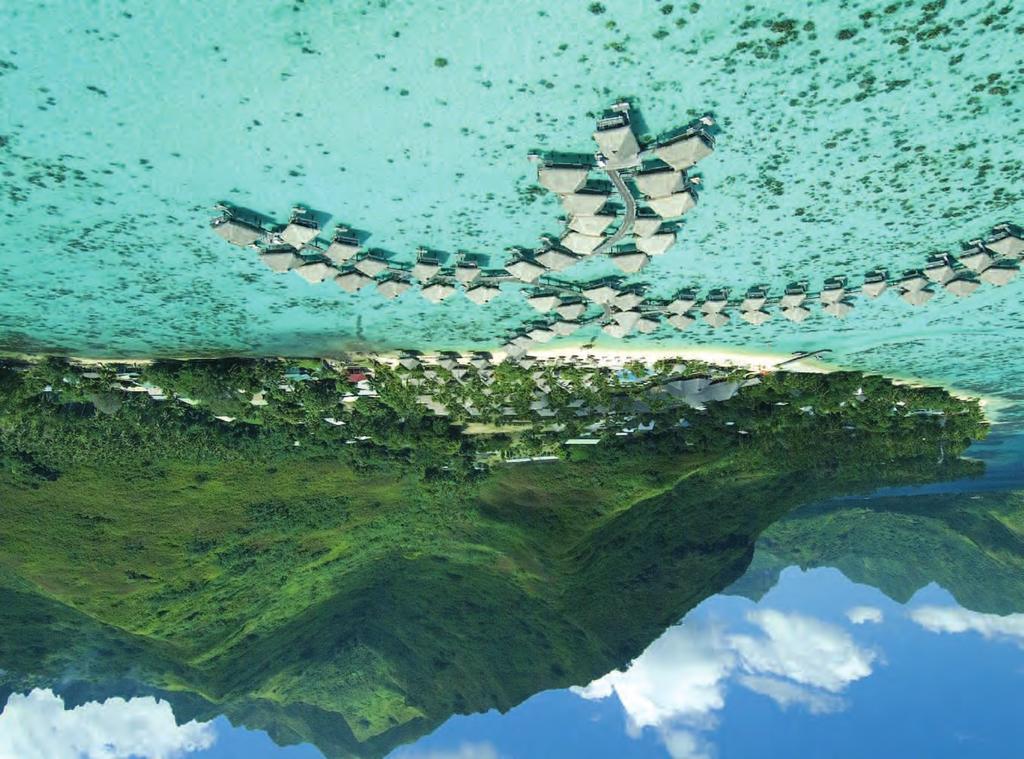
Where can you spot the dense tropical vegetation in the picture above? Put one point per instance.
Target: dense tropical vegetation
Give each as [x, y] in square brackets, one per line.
[356, 594]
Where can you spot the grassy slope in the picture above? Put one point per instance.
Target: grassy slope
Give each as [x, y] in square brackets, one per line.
[970, 544]
[292, 593]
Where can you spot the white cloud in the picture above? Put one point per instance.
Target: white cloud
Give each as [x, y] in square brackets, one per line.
[679, 676]
[860, 615]
[37, 724]
[464, 751]
[678, 685]
[802, 649]
[683, 744]
[953, 619]
[787, 694]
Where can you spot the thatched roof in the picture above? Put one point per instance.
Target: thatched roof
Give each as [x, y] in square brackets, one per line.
[645, 226]
[340, 251]
[526, 271]
[351, 281]
[371, 266]
[556, 260]
[755, 317]
[656, 244]
[582, 203]
[630, 262]
[316, 272]
[437, 292]
[425, 269]
[482, 293]
[281, 260]
[237, 232]
[581, 244]
[571, 310]
[676, 204]
[680, 321]
[591, 225]
[684, 151]
[796, 314]
[562, 179]
[298, 233]
[392, 288]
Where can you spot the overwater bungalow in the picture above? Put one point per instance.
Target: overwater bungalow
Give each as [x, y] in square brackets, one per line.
[874, 284]
[586, 202]
[840, 309]
[342, 248]
[684, 151]
[466, 272]
[541, 334]
[794, 296]
[371, 266]
[627, 319]
[645, 226]
[918, 296]
[524, 270]
[483, 293]
[352, 280]
[616, 141]
[437, 292]
[600, 293]
[425, 268]
[627, 300]
[998, 275]
[392, 287]
[316, 272]
[715, 302]
[659, 183]
[673, 205]
[976, 258]
[300, 230]
[647, 324]
[564, 327]
[939, 270]
[237, 231]
[681, 320]
[796, 314]
[716, 319]
[571, 310]
[593, 226]
[544, 302]
[961, 287]
[834, 291]
[281, 260]
[556, 260]
[562, 179]
[630, 262]
[755, 300]
[656, 244]
[682, 303]
[913, 281]
[615, 330]
[755, 316]
[581, 244]
[1006, 242]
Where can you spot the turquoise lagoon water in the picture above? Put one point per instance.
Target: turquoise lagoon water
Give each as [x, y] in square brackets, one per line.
[853, 135]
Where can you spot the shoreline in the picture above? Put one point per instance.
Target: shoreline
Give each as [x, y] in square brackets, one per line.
[718, 356]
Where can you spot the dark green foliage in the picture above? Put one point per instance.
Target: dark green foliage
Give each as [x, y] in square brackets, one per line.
[358, 595]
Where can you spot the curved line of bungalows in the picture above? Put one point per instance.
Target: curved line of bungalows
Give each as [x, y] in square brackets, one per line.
[994, 261]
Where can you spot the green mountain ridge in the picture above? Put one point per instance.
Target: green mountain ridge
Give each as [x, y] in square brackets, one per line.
[356, 597]
[971, 544]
